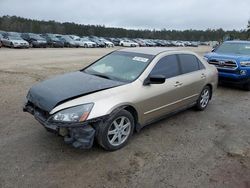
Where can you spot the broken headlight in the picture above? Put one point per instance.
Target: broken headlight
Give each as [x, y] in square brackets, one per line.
[74, 114]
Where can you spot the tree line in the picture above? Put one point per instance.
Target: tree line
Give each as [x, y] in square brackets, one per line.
[19, 24]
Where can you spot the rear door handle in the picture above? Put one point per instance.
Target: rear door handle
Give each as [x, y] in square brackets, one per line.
[177, 84]
[203, 75]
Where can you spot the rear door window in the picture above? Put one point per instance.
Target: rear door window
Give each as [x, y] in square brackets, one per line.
[167, 66]
[188, 63]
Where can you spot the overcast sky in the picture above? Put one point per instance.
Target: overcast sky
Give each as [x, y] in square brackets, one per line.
[136, 14]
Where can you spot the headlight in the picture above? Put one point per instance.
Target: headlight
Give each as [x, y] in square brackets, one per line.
[205, 58]
[245, 63]
[74, 114]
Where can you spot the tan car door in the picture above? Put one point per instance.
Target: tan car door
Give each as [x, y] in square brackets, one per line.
[192, 80]
[160, 99]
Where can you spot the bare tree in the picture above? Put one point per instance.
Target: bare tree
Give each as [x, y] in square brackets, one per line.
[248, 29]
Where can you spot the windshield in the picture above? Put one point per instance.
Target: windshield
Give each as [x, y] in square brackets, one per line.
[121, 66]
[15, 38]
[67, 38]
[37, 37]
[85, 40]
[54, 38]
[234, 48]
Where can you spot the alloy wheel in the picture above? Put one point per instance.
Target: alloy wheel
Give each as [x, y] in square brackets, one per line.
[205, 95]
[119, 131]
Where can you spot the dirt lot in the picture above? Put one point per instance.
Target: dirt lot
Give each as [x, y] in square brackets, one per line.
[191, 149]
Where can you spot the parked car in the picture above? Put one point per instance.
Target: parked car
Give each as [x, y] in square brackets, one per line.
[52, 40]
[178, 43]
[119, 93]
[86, 43]
[2, 32]
[68, 41]
[149, 43]
[107, 43]
[98, 42]
[15, 34]
[232, 59]
[140, 42]
[159, 43]
[194, 44]
[74, 37]
[115, 41]
[34, 40]
[1, 37]
[14, 42]
[128, 43]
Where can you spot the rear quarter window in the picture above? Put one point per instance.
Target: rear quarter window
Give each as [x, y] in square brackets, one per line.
[189, 63]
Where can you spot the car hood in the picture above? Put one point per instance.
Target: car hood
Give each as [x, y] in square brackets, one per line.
[50, 93]
[41, 41]
[236, 57]
[19, 41]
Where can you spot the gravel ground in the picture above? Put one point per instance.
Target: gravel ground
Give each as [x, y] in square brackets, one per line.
[190, 149]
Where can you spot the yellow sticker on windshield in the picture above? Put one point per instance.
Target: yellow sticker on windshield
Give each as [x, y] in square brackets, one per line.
[142, 59]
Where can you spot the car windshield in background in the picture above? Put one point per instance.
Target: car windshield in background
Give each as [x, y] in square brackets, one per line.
[54, 39]
[15, 38]
[234, 48]
[37, 37]
[120, 66]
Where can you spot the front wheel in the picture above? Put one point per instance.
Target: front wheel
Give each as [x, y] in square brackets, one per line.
[116, 131]
[247, 86]
[204, 98]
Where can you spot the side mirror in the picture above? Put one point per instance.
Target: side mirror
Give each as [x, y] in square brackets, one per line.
[154, 79]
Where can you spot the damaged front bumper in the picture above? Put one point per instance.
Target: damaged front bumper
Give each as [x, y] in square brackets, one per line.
[79, 135]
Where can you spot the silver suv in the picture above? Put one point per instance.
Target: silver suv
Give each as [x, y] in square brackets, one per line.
[120, 93]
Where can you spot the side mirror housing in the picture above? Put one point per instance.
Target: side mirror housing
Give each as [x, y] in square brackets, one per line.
[154, 79]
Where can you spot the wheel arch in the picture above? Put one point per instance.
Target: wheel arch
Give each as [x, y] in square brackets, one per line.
[131, 109]
[211, 90]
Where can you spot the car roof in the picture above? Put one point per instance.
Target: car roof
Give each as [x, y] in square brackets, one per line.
[238, 41]
[149, 50]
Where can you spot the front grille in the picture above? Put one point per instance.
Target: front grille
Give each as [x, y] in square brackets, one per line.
[227, 64]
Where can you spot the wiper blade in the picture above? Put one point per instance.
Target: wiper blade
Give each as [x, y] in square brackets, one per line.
[101, 75]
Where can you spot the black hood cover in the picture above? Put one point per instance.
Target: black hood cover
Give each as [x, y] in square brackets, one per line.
[49, 93]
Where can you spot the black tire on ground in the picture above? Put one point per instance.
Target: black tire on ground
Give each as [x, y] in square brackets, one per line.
[103, 129]
[204, 98]
[246, 86]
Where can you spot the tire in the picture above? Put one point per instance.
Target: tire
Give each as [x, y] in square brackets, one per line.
[85, 46]
[204, 98]
[247, 86]
[11, 45]
[116, 131]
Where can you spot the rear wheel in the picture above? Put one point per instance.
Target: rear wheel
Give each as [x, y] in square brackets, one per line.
[116, 131]
[204, 98]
